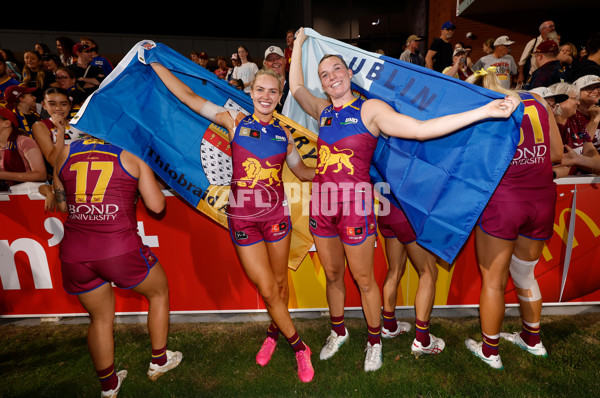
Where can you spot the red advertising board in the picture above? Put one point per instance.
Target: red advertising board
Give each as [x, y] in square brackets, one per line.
[205, 275]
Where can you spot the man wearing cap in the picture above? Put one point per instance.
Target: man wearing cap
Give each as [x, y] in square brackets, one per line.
[275, 60]
[89, 76]
[22, 102]
[411, 53]
[590, 65]
[505, 65]
[549, 70]
[547, 31]
[203, 59]
[459, 68]
[440, 51]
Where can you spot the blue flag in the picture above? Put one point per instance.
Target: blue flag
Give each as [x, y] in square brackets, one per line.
[443, 184]
[134, 110]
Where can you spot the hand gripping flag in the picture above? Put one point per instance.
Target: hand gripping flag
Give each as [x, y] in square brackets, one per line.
[134, 110]
[443, 184]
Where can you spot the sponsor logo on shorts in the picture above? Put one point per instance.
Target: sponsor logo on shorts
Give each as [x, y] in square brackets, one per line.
[240, 235]
[279, 227]
[312, 223]
[354, 231]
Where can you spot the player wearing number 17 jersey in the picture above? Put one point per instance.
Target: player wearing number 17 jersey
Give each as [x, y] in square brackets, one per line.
[97, 184]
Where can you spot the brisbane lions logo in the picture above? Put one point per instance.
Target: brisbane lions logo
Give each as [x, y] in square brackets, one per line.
[256, 172]
[339, 158]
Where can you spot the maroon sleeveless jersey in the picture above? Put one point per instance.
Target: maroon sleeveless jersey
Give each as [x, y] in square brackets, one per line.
[101, 199]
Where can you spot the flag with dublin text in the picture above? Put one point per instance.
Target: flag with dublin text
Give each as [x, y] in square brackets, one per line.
[443, 184]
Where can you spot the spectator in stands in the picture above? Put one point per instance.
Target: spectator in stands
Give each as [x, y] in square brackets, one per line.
[549, 69]
[23, 103]
[588, 111]
[237, 83]
[222, 67]
[20, 157]
[411, 53]
[440, 51]
[5, 79]
[246, 70]
[275, 59]
[34, 74]
[53, 133]
[42, 48]
[235, 61]
[89, 76]
[488, 46]
[569, 50]
[97, 59]
[574, 126]
[64, 46]
[12, 66]
[194, 57]
[526, 64]
[51, 62]
[203, 59]
[289, 42]
[459, 68]
[500, 58]
[469, 50]
[591, 64]
[68, 81]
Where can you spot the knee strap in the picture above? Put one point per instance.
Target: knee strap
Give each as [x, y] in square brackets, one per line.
[522, 275]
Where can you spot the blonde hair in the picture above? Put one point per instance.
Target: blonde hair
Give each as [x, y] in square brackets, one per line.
[268, 72]
[487, 78]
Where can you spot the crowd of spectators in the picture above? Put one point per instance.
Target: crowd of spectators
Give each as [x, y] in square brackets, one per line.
[78, 69]
[567, 79]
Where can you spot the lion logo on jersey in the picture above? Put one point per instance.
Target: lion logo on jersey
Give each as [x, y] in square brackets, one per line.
[256, 172]
[328, 158]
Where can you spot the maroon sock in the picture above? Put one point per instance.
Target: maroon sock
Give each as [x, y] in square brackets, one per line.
[422, 332]
[490, 345]
[374, 334]
[159, 357]
[389, 320]
[530, 334]
[108, 378]
[296, 343]
[273, 331]
[337, 325]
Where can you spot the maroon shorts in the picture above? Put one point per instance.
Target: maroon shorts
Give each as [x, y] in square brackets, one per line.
[248, 232]
[125, 271]
[352, 221]
[394, 224]
[532, 219]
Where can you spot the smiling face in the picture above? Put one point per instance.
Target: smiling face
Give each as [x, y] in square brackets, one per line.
[275, 62]
[335, 77]
[32, 60]
[265, 94]
[57, 105]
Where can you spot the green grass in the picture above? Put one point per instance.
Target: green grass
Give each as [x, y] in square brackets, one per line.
[52, 361]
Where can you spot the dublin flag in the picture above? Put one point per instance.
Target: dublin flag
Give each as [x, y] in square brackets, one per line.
[444, 184]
